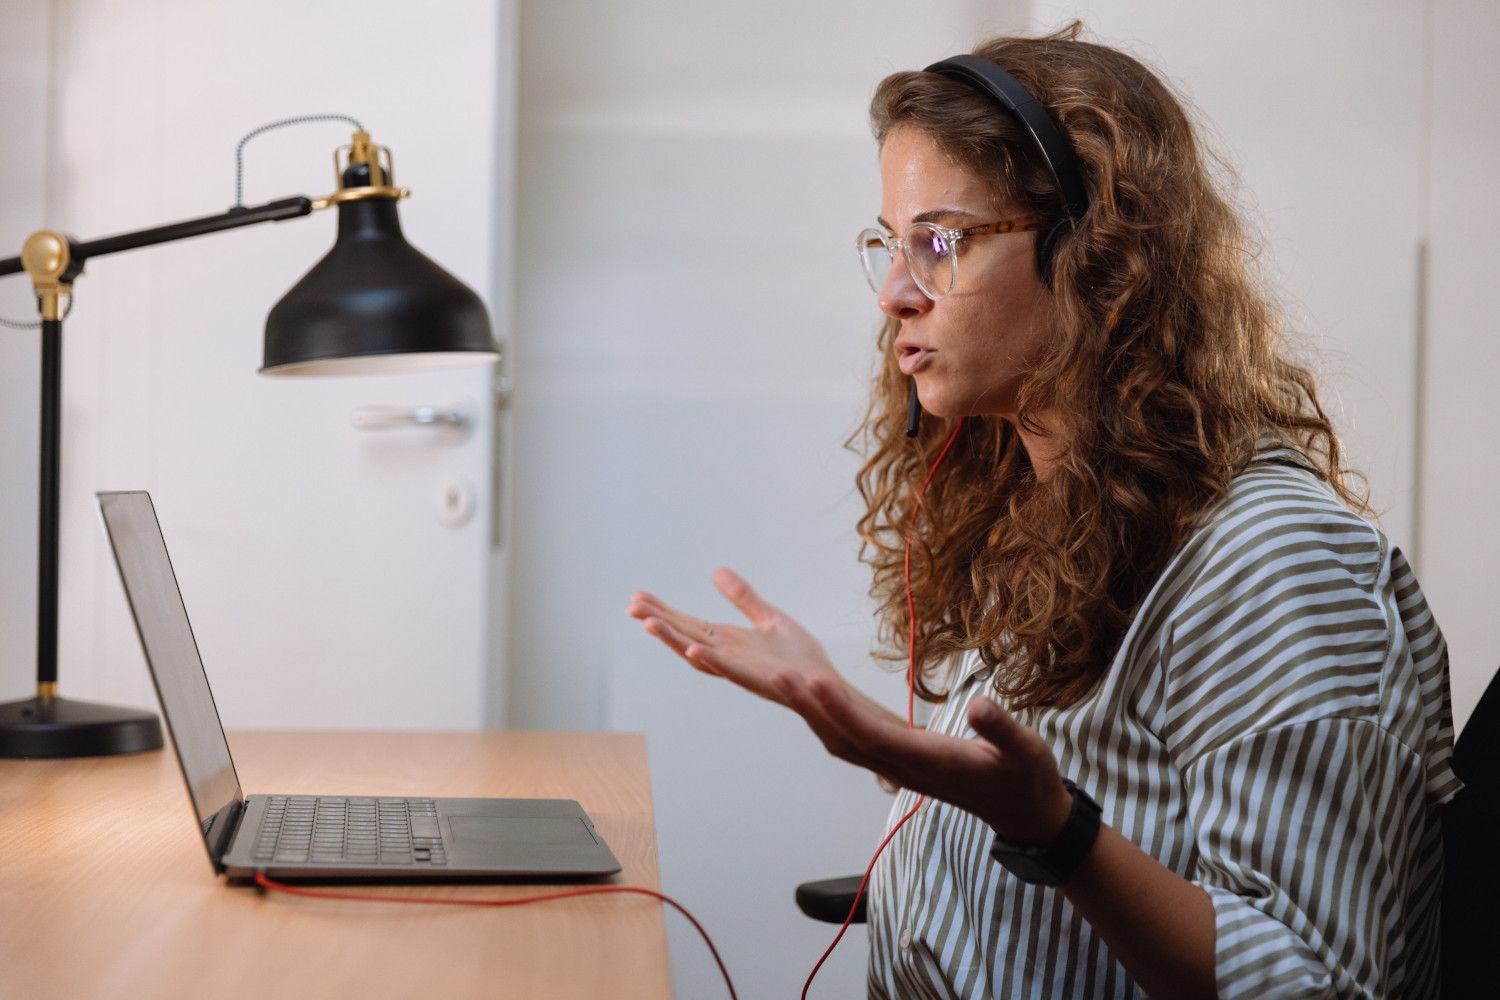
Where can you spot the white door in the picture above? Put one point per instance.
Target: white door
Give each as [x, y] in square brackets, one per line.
[335, 577]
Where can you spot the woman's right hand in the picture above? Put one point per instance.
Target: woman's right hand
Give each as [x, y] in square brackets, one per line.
[774, 646]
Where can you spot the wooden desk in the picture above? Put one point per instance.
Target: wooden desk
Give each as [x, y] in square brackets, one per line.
[106, 890]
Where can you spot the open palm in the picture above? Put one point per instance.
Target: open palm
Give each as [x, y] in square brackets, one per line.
[1007, 776]
[774, 647]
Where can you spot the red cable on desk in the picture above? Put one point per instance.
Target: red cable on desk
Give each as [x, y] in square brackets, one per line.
[265, 882]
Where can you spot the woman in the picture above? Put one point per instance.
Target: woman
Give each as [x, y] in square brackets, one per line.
[1138, 567]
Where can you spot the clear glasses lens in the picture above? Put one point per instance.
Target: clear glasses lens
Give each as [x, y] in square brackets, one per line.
[929, 257]
[875, 255]
[933, 262]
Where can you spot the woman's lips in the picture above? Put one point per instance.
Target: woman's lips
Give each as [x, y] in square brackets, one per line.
[914, 360]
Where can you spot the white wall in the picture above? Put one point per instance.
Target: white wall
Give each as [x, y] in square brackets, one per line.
[1460, 539]
[24, 62]
[693, 343]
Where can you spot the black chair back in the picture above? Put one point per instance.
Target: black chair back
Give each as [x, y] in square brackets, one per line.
[1471, 859]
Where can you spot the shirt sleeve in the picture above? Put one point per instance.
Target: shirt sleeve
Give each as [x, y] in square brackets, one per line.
[1308, 699]
[1309, 839]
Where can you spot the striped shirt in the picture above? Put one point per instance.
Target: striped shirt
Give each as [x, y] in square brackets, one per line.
[1275, 727]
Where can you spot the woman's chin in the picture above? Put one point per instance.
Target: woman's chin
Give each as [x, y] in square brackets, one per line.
[956, 406]
[940, 406]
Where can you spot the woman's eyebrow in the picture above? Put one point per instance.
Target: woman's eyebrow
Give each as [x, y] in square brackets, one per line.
[935, 214]
[931, 215]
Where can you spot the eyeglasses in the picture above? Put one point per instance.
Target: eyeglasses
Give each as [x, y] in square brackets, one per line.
[931, 252]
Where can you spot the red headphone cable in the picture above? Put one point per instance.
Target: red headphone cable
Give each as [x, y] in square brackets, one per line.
[911, 689]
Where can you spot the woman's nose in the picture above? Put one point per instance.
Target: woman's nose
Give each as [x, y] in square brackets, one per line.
[900, 298]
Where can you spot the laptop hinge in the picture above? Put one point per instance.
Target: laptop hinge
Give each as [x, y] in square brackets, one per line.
[219, 829]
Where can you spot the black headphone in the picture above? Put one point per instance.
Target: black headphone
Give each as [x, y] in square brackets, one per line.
[987, 77]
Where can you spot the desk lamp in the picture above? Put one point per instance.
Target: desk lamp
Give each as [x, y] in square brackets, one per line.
[372, 304]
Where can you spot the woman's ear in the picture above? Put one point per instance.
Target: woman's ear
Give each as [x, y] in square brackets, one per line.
[1046, 249]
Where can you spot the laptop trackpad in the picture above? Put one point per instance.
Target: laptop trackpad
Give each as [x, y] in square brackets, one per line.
[523, 840]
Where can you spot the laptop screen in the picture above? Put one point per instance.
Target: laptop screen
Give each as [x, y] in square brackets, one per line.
[172, 654]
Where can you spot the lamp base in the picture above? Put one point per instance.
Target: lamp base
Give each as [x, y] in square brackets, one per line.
[63, 727]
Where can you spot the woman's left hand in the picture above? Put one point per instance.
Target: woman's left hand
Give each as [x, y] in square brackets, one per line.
[1007, 777]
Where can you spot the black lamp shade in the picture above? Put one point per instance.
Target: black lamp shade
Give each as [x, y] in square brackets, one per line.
[374, 303]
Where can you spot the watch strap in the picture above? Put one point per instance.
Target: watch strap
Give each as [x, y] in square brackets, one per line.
[1056, 863]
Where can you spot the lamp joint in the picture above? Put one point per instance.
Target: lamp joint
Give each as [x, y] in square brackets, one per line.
[48, 258]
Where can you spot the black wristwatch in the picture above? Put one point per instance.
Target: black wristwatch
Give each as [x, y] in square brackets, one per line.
[1056, 864]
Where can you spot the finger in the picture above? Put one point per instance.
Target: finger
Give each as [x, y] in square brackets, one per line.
[663, 630]
[645, 606]
[743, 596]
[670, 636]
[705, 660]
[698, 655]
[723, 663]
[992, 722]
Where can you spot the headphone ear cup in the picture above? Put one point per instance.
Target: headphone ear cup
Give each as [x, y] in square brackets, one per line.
[1046, 249]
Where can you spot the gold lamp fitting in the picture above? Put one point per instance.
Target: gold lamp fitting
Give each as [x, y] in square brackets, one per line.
[362, 150]
[45, 255]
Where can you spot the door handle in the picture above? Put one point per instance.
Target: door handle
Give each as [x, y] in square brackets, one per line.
[384, 418]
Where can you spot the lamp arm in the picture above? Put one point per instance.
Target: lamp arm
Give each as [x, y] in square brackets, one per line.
[271, 211]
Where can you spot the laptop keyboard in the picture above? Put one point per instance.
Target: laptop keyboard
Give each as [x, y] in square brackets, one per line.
[364, 831]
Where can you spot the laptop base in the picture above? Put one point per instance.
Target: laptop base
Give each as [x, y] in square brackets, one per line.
[532, 839]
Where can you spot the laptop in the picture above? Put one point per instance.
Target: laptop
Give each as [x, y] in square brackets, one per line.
[384, 838]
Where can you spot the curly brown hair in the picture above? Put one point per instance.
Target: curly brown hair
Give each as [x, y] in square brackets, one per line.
[1164, 368]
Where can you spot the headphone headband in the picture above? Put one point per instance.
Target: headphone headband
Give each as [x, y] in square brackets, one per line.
[985, 75]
